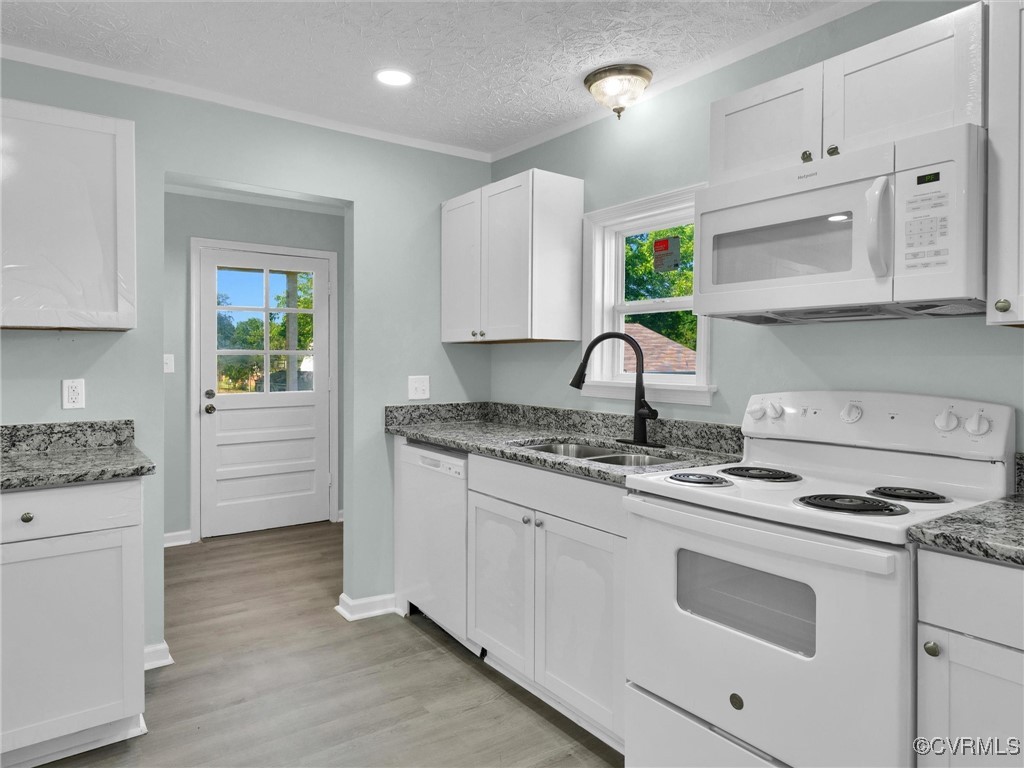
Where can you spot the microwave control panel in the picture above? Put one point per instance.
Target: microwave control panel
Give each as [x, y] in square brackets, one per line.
[939, 216]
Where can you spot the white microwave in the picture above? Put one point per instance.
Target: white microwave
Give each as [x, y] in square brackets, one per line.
[893, 231]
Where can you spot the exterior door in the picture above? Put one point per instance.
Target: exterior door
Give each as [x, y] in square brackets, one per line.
[264, 362]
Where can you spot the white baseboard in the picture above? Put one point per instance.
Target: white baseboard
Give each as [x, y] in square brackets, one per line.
[365, 607]
[177, 538]
[75, 743]
[157, 655]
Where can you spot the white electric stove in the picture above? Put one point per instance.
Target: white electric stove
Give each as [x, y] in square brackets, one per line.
[770, 602]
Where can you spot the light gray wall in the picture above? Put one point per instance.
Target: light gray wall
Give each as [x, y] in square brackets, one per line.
[185, 217]
[391, 306]
[663, 144]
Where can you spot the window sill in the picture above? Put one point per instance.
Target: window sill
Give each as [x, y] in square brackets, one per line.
[686, 394]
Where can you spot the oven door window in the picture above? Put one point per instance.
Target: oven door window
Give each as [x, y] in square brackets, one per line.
[772, 608]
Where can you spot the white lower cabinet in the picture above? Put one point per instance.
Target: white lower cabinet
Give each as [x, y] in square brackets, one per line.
[970, 662]
[71, 629]
[547, 599]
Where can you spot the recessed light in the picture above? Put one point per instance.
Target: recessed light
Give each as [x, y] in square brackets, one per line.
[839, 217]
[395, 77]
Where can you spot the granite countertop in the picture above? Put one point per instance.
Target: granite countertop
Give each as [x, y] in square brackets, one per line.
[993, 530]
[66, 453]
[512, 441]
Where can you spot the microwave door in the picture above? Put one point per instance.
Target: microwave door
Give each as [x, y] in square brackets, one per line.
[804, 250]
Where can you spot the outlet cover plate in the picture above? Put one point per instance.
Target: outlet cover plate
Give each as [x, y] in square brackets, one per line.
[419, 387]
[72, 393]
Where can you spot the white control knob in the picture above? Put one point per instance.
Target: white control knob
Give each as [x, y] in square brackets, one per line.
[851, 413]
[947, 421]
[978, 424]
[775, 410]
[756, 412]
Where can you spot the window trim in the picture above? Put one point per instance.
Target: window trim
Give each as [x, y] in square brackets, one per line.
[603, 232]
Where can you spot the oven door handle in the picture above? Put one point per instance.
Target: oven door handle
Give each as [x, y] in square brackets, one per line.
[853, 556]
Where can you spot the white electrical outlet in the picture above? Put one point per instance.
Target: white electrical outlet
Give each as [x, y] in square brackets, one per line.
[419, 387]
[168, 363]
[72, 393]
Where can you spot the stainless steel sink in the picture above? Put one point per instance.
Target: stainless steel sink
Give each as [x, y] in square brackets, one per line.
[632, 460]
[572, 450]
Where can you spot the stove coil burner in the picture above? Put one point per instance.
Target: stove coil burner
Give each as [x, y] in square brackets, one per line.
[909, 494]
[762, 473]
[696, 478]
[853, 505]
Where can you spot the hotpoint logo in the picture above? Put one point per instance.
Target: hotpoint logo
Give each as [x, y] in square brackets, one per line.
[807, 175]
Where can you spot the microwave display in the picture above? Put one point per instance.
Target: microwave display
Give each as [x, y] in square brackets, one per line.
[928, 178]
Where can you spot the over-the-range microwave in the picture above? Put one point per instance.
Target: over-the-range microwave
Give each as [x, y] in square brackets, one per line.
[893, 231]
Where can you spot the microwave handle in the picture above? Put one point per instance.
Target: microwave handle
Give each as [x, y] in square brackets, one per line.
[873, 197]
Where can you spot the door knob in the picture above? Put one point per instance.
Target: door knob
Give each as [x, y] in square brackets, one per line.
[806, 156]
[1002, 305]
[526, 519]
[211, 408]
[832, 150]
[474, 334]
[27, 517]
[209, 394]
[539, 523]
[932, 648]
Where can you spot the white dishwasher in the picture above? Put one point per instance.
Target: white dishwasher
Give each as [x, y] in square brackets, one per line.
[430, 534]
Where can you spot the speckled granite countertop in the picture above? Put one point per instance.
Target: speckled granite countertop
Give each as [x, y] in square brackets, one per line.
[993, 531]
[506, 432]
[66, 453]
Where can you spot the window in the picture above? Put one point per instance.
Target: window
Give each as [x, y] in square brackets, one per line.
[640, 274]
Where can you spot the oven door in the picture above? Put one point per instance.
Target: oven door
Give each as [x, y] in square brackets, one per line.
[799, 239]
[797, 643]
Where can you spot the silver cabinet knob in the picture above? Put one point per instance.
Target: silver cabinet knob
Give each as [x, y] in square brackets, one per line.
[932, 648]
[526, 519]
[27, 517]
[806, 156]
[539, 523]
[211, 408]
[832, 150]
[474, 334]
[736, 700]
[482, 334]
[209, 394]
[1003, 305]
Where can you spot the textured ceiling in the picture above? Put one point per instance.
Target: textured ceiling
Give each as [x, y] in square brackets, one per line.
[489, 75]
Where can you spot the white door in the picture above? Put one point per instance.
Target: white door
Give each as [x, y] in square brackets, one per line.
[264, 362]
[506, 256]
[460, 268]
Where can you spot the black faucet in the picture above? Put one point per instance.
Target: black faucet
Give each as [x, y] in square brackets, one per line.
[642, 410]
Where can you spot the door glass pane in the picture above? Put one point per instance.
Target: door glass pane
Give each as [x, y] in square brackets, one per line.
[239, 287]
[668, 339]
[290, 330]
[239, 330]
[815, 246]
[658, 264]
[291, 289]
[239, 373]
[767, 606]
[291, 373]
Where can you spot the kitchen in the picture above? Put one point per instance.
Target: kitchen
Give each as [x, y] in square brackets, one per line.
[658, 145]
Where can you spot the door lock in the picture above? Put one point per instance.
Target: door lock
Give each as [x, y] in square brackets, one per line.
[209, 394]
[211, 408]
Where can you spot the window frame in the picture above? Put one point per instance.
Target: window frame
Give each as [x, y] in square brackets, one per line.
[604, 233]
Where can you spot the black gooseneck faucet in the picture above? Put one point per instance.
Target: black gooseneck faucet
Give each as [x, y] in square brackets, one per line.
[642, 410]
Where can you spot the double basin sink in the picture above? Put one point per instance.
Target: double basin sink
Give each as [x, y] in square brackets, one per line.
[602, 455]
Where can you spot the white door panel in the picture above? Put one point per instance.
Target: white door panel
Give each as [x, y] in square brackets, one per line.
[265, 353]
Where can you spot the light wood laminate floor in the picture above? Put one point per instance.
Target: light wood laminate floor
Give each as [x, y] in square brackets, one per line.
[267, 674]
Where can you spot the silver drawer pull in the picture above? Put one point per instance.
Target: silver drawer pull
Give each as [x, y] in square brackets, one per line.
[27, 517]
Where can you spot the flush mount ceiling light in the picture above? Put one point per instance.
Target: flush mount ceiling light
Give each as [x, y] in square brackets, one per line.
[394, 77]
[618, 86]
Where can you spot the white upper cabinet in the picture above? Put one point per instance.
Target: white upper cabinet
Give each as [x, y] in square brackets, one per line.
[1006, 164]
[68, 219]
[916, 81]
[511, 258]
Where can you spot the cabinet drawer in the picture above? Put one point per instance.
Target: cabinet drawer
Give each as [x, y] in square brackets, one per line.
[972, 596]
[70, 509]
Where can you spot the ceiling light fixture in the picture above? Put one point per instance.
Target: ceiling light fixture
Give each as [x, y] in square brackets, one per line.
[618, 86]
[395, 77]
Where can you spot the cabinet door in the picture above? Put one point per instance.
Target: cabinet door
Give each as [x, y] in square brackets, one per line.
[973, 689]
[767, 127]
[1006, 164]
[924, 78]
[72, 642]
[580, 618]
[506, 268]
[500, 584]
[460, 268]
